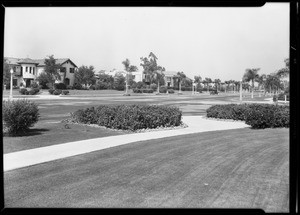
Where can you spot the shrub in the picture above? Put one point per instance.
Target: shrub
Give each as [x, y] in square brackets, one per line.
[31, 92]
[65, 92]
[51, 91]
[57, 92]
[69, 87]
[23, 91]
[140, 85]
[267, 116]
[120, 87]
[78, 86]
[153, 86]
[163, 89]
[137, 90]
[34, 85]
[60, 86]
[92, 87]
[170, 88]
[19, 115]
[255, 115]
[147, 90]
[171, 91]
[228, 111]
[281, 97]
[129, 117]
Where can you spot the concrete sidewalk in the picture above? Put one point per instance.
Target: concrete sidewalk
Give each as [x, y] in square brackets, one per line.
[30, 157]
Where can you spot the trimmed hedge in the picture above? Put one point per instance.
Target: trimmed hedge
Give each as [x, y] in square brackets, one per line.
[60, 86]
[255, 115]
[268, 116]
[19, 115]
[32, 91]
[129, 117]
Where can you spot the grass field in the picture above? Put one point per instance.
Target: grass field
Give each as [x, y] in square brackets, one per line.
[242, 168]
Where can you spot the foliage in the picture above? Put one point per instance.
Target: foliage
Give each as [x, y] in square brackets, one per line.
[147, 90]
[51, 91]
[153, 86]
[34, 85]
[32, 91]
[281, 97]
[268, 116]
[52, 69]
[171, 91]
[19, 115]
[92, 87]
[23, 91]
[65, 92]
[136, 90]
[119, 82]
[163, 89]
[85, 75]
[255, 115]
[152, 70]
[57, 92]
[6, 73]
[129, 117]
[251, 75]
[140, 85]
[45, 78]
[60, 86]
[77, 86]
[228, 111]
[104, 81]
[273, 83]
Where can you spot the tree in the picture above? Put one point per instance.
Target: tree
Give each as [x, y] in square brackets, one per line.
[251, 75]
[52, 69]
[207, 81]
[85, 75]
[217, 83]
[6, 73]
[273, 83]
[152, 71]
[261, 80]
[105, 81]
[119, 81]
[45, 78]
[129, 69]
[284, 72]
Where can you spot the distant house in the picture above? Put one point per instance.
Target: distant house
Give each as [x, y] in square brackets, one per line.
[26, 70]
[170, 77]
[137, 76]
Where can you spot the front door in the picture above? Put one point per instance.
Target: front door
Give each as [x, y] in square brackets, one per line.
[28, 82]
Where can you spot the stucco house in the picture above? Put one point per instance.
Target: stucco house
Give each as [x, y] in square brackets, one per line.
[26, 70]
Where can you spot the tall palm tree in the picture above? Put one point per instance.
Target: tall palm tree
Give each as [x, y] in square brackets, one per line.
[128, 68]
[261, 80]
[217, 83]
[251, 75]
[207, 81]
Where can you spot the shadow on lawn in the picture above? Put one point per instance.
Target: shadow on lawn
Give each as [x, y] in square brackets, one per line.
[30, 132]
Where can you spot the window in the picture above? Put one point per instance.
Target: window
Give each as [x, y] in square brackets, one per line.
[29, 69]
[71, 70]
[15, 82]
[26, 69]
[33, 70]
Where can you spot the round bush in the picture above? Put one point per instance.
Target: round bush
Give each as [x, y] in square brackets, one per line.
[19, 115]
[51, 91]
[60, 86]
[34, 85]
[171, 91]
[23, 91]
[163, 89]
[57, 92]
[92, 87]
[65, 92]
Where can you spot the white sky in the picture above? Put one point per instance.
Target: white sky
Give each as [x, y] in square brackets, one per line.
[210, 42]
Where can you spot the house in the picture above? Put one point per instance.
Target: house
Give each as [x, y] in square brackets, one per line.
[170, 77]
[26, 70]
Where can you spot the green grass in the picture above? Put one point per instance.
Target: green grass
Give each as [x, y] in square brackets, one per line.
[242, 168]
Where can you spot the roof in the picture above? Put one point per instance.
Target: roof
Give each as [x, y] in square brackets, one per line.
[170, 73]
[39, 62]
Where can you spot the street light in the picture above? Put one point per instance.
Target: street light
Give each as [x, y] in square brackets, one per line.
[11, 83]
[241, 88]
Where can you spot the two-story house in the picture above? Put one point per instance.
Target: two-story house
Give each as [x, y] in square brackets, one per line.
[26, 70]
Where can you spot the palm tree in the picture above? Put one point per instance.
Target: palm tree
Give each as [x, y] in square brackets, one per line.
[207, 81]
[261, 80]
[217, 83]
[226, 84]
[251, 75]
[273, 83]
[128, 68]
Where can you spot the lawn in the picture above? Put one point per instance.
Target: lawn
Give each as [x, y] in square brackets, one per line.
[241, 168]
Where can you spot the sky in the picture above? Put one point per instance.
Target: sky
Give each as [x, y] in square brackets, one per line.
[210, 42]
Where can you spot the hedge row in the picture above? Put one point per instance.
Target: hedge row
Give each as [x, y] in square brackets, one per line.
[129, 117]
[58, 92]
[19, 115]
[136, 90]
[33, 91]
[255, 115]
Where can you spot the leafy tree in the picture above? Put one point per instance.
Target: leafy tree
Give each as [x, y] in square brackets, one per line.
[217, 83]
[153, 72]
[119, 81]
[251, 75]
[207, 81]
[273, 83]
[105, 81]
[6, 73]
[261, 80]
[45, 78]
[52, 69]
[129, 69]
[85, 75]
[284, 72]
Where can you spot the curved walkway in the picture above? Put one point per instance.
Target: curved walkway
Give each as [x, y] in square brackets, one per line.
[196, 124]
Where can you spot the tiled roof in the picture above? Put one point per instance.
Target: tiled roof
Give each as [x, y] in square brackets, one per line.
[39, 62]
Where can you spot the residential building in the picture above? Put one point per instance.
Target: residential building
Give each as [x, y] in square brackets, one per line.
[26, 70]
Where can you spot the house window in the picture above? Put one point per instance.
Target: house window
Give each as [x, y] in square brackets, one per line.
[71, 70]
[33, 70]
[15, 82]
[26, 69]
